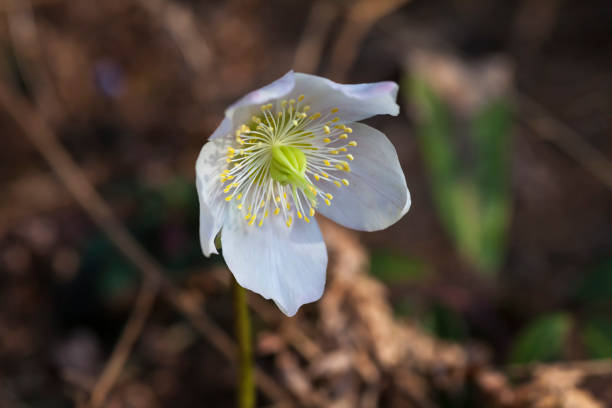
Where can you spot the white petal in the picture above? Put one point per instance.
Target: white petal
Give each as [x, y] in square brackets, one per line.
[377, 195]
[224, 129]
[284, 264]
[354, 102]
[209, 166]
[241, 111]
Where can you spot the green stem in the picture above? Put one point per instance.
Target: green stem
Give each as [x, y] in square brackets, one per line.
[246, 383]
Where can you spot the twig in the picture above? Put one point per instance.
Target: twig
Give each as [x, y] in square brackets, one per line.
[548, 127]
[123, 348]
[44, 140]
[310, 48]
[182, 26]
[361, 18]
[29, 55]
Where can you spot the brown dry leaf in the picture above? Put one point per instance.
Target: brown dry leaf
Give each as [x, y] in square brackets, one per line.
[555, 387]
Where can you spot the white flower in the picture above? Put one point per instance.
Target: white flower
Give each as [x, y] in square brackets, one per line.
[283, 153]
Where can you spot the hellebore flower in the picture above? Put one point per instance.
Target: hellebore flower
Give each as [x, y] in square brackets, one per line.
[283, 153]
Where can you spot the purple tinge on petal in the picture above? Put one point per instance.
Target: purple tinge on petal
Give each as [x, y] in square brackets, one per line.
[366, 91]
[355, 102]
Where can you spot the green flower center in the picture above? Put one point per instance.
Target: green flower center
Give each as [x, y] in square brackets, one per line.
[288, 166]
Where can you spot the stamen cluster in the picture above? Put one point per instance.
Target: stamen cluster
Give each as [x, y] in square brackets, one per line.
[277, 157]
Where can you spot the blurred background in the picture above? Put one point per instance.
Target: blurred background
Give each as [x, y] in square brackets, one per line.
[495, 290]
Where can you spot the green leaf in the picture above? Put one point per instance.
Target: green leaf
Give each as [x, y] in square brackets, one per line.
[469, 178]
[434, 132]
[491, 128]
[446, 323]
[393, 267]
[490, 131]
[597, 337]
[542, 340]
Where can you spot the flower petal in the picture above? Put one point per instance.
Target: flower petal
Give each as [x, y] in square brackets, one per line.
[354, 102]
[284, 264]
[209, 166]
[241, 111]
[224, 129]
[377, 195]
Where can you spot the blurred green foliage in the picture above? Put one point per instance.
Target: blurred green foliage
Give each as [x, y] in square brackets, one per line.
[445, 323]
[394, 267]
[468, 165]
[595, 296]
[543, 339]
[597, 337]
[470, 184]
